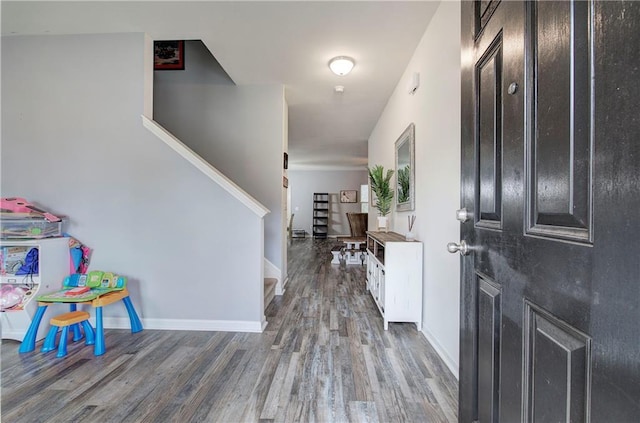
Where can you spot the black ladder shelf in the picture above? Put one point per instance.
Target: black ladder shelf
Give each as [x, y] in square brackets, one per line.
[320, 214]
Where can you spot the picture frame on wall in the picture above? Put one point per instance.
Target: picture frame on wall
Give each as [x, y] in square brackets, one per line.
[168, 55]
[373, 197]
[349, 196]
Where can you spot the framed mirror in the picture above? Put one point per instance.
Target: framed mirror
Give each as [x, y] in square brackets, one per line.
[405, 170]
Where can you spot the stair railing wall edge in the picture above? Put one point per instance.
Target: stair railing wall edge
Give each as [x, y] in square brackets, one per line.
[205, 167]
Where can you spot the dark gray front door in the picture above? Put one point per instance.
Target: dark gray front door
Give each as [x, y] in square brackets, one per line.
[550, 300]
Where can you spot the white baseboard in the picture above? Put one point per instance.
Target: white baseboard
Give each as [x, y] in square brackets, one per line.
[187, 324]
[15, 335]
[284, 285]
[451, 364]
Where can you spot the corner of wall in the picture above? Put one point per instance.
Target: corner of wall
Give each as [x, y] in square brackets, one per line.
[450, 362]
[147, 107]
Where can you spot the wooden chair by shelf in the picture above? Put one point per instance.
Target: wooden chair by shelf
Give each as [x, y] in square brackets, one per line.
[358, 223]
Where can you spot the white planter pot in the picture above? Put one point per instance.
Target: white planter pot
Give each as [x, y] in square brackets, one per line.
[383, 223]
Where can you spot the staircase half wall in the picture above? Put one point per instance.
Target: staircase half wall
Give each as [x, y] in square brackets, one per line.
[73, 142]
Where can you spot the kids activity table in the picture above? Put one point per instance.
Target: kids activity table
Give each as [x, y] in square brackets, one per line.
[101, 300]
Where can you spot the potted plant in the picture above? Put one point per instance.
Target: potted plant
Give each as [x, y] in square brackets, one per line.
[381, 187]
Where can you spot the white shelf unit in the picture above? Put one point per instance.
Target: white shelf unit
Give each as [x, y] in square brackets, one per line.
[53, 266]
[394, 277]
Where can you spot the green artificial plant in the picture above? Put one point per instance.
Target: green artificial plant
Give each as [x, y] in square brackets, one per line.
[381, 187]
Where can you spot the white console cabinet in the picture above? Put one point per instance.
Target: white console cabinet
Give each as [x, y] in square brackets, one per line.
[53, 266]
[394, 277]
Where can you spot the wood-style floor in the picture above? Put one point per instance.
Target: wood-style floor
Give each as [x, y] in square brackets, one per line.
[324, 357]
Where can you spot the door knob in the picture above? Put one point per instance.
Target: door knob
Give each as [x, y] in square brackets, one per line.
[463, 248]
[463, 214]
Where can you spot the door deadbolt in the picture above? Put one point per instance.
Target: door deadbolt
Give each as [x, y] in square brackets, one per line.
[463, 214]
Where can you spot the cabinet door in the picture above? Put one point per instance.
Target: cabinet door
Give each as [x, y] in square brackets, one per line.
[371, 270]
[376, 281]
[368, 274]
[381, 289]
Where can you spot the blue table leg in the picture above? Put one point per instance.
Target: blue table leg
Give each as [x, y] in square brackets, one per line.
[89, 334]
[99, 348]
[136, 325]
[77, 335]
[29, 341]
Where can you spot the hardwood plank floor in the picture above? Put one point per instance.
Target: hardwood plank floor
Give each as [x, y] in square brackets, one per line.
[324, 357]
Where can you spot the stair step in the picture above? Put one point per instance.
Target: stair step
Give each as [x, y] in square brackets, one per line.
[269, 290]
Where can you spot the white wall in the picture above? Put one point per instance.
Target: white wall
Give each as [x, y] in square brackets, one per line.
[238, 129]
[303, 183]
[73, 141]
[435, 110]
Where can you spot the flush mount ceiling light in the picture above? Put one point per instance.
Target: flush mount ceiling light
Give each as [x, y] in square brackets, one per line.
[341, 65]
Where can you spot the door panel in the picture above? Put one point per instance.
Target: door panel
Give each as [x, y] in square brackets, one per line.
[489, 143]
[550, 292]
[559, 138]
[489, 329]
[483, 10]
[488, 115]
[557, 369]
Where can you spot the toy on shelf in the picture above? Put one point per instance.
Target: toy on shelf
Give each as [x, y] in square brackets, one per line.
[20, 205]
[29, 268]
[21, 219]
[19, 267]
[13, 297]
[17, 228]
[79, 255]
[19, 260]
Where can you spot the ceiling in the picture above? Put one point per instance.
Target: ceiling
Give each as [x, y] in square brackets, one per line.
[285, 42]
